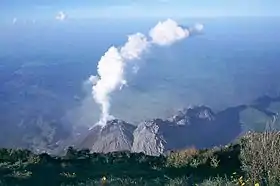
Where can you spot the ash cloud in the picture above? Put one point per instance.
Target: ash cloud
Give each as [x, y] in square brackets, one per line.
[113, 65]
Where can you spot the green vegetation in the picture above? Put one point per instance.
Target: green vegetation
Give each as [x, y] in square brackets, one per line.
[253, 160]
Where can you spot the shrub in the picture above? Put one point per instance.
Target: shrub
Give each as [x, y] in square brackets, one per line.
[178, 182]
[214, 162]
[21, 174]
[260, 157]
[182, 158]
[68, 174]
[218, 181]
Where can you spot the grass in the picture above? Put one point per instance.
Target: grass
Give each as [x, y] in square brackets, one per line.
[253, 160]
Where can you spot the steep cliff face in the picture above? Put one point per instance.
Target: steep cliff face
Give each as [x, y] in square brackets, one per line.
[149, 137]
[186, 128]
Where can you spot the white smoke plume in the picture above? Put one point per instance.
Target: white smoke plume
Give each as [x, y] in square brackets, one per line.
[111, 71]
[61, 16]
[111, 68]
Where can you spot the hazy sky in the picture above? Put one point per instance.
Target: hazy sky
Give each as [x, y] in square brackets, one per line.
[47, 9]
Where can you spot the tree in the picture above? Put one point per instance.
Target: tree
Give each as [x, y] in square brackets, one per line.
[71, 153]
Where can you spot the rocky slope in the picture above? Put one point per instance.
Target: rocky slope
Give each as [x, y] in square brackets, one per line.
[198, 127]
[117, 135]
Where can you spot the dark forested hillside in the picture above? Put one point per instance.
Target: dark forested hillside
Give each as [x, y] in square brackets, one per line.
[21, 167]
[252, 160]
[247, 162]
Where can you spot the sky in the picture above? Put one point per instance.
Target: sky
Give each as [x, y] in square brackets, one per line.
[75, 9]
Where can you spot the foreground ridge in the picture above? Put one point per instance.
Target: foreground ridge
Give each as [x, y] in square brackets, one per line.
[233, 164]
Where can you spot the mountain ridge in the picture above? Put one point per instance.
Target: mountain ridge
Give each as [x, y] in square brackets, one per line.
[196, 126]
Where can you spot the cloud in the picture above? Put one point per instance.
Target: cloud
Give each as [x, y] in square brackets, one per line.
[61, 16]
[168, 32]
[14, 20]
[196, 29]
[113, 65]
